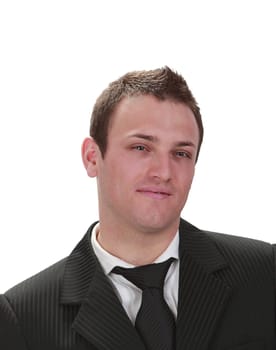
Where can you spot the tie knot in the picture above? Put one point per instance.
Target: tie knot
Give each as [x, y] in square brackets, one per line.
[146, 276]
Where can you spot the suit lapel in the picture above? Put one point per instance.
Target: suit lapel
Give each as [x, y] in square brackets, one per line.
[202, 296]
[101, 319]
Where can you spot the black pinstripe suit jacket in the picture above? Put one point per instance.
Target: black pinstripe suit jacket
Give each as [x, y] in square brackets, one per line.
[226, 300]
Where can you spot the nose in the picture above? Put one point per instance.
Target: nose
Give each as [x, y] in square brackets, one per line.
[161, 168]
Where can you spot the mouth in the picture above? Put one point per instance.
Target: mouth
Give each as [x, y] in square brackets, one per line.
[154, 193]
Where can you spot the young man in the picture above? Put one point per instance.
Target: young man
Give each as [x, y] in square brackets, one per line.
[217, 291]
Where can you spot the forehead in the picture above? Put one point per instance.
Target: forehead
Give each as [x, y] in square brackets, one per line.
[148, 114]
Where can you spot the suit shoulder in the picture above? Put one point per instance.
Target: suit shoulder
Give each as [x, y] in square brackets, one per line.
[225, 239]
[239, 243]
[245, 255]
[42, 281]
[25, 307]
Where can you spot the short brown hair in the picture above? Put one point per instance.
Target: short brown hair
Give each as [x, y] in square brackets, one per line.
[163, 83]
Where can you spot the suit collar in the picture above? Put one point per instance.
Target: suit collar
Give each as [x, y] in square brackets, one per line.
[101, 318]
[202, 295]
[200, 247]
[79, 270]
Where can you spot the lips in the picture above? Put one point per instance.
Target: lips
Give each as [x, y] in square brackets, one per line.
[154, 192]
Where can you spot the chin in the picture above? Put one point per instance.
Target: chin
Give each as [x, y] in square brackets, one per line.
[156, 226]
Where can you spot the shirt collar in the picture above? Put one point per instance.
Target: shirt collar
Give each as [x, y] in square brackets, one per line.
[109, 261]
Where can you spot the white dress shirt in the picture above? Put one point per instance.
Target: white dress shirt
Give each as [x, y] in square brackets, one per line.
[130, 295]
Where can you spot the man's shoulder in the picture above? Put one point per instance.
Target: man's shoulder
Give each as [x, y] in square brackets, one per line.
[241, 253]
[239, 244]
[229, 241]
[51, 277]
[245, 256]
[49, 298]
[50, 284]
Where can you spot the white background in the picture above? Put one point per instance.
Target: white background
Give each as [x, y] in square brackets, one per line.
[57, 56]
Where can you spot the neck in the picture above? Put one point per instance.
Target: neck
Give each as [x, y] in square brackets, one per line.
[136, 248]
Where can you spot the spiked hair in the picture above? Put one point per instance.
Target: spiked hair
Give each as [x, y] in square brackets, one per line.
[163, 83]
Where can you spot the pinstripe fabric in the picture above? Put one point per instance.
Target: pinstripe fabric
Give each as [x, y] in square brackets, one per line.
[226, 300]
[10, 333]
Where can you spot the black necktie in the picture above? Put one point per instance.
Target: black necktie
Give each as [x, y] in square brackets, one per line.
[154, 322]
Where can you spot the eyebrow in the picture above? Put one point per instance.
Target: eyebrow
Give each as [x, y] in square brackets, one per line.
[155, 139]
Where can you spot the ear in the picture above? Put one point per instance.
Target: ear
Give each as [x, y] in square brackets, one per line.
[90, 153]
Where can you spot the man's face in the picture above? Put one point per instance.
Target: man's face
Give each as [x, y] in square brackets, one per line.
[146, 174]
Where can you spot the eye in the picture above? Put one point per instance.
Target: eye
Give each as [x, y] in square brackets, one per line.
[139, 148]
[182, 154]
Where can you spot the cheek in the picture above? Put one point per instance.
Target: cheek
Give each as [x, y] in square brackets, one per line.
[185, 181]
[130, 170]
